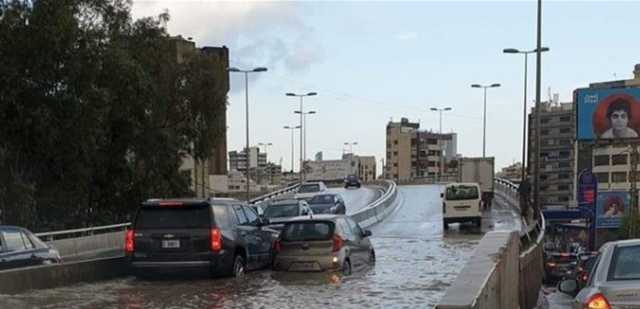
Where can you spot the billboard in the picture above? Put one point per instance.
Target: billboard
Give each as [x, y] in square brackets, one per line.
[329, 170]
[607, 113]
[610, 208]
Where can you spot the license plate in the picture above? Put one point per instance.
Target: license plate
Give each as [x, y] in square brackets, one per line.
[304, 266]
[170, 244]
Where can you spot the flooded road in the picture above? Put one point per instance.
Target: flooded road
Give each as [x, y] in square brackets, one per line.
[416, 263]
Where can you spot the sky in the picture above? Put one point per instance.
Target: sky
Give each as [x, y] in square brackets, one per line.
[372, 62]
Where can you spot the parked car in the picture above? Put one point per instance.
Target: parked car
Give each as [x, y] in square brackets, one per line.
[329, 203]
[280, 211]
[461, 202]
[324, 243]
[308, 190]
[214, 236]
[352, 181]
[584, 266]
[614, 281]
[21, 248]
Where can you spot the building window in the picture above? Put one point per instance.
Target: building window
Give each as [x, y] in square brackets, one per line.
[395, 176]
[619, 159]
[544, 120]
[564, 164]
[544, 132]
[602, 177]
[543, 177]
[563, 199]
[431, 164]
[564, 142]
[395, 153]
[432, 141]
[563, 154]
[619, 177]
[565, 118]
[601, 160]
[563, 187]
[565, 130]
[395, 142]
[395, 164]
[563, 176]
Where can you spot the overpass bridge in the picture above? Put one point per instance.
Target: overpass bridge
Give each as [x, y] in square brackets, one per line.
[419, 264]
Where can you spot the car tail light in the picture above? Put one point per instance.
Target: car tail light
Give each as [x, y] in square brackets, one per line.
[216, 240]
[337, 243]
[277, 246]
[170, 203]
[597, 301]
[129, 242]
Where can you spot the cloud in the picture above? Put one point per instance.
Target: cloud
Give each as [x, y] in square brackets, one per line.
[406, 36]
[270, 34]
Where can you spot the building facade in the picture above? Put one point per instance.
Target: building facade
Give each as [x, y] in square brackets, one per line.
[412, 153]
[366, 168]
[557, 135]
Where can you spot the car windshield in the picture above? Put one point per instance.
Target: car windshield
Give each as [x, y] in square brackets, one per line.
[173, 217]
[322, 199]
[625, 264]
[301, 231]
[461, 193]
[281, 211]
[309, 188]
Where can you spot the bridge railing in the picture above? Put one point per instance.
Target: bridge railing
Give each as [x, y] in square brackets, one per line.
[380, 208]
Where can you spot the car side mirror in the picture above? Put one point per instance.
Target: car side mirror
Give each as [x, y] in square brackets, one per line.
[366, 233]
[569, 286]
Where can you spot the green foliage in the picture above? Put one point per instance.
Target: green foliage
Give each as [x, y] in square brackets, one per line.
[630, 227]
[96, 112]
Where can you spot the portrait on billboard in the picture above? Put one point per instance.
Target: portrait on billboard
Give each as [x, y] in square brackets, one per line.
[611, 208]
[608, 113]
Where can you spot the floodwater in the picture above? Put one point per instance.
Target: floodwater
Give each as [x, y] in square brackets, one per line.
[416, 262]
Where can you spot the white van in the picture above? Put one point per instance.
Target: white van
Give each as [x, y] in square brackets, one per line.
[461, 202]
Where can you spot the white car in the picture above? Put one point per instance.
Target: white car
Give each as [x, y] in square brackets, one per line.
[461, 202]
[308, 190]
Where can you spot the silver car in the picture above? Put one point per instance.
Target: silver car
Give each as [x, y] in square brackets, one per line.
[614, 281]
[333, 243]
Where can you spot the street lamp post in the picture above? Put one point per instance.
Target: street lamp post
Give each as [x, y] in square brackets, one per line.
[524, 107]
[292, 128]
[266, 152]
[246, 93]
[484, 116]
[304, 132]
[440, 110]
[301, 96]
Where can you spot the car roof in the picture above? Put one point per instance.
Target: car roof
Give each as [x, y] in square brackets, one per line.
[288, 201]
[322, 217]
[11, 227]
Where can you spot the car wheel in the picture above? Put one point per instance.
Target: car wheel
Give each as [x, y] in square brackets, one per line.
[346, 268]
[238, 266]
[372, 256]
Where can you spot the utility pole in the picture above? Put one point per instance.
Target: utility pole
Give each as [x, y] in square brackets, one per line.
[536, 167]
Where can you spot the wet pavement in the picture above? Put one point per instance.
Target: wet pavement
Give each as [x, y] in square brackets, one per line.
[416, 262]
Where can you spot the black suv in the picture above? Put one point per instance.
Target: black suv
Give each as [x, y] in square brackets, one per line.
[352, 181]
[218, 236]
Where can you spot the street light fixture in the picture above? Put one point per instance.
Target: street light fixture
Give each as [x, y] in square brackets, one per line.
[301, 96]
[484, 115]
[304, 121]
[292, 128]
[246, 88]
[440, 110]
[524, 107]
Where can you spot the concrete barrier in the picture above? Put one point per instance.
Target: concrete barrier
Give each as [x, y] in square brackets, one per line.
[50, 276]
[490, 278]
[380, 208]
[90, 246]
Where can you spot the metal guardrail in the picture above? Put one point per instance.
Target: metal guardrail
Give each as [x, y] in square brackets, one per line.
[50, 236]
[271, 195]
